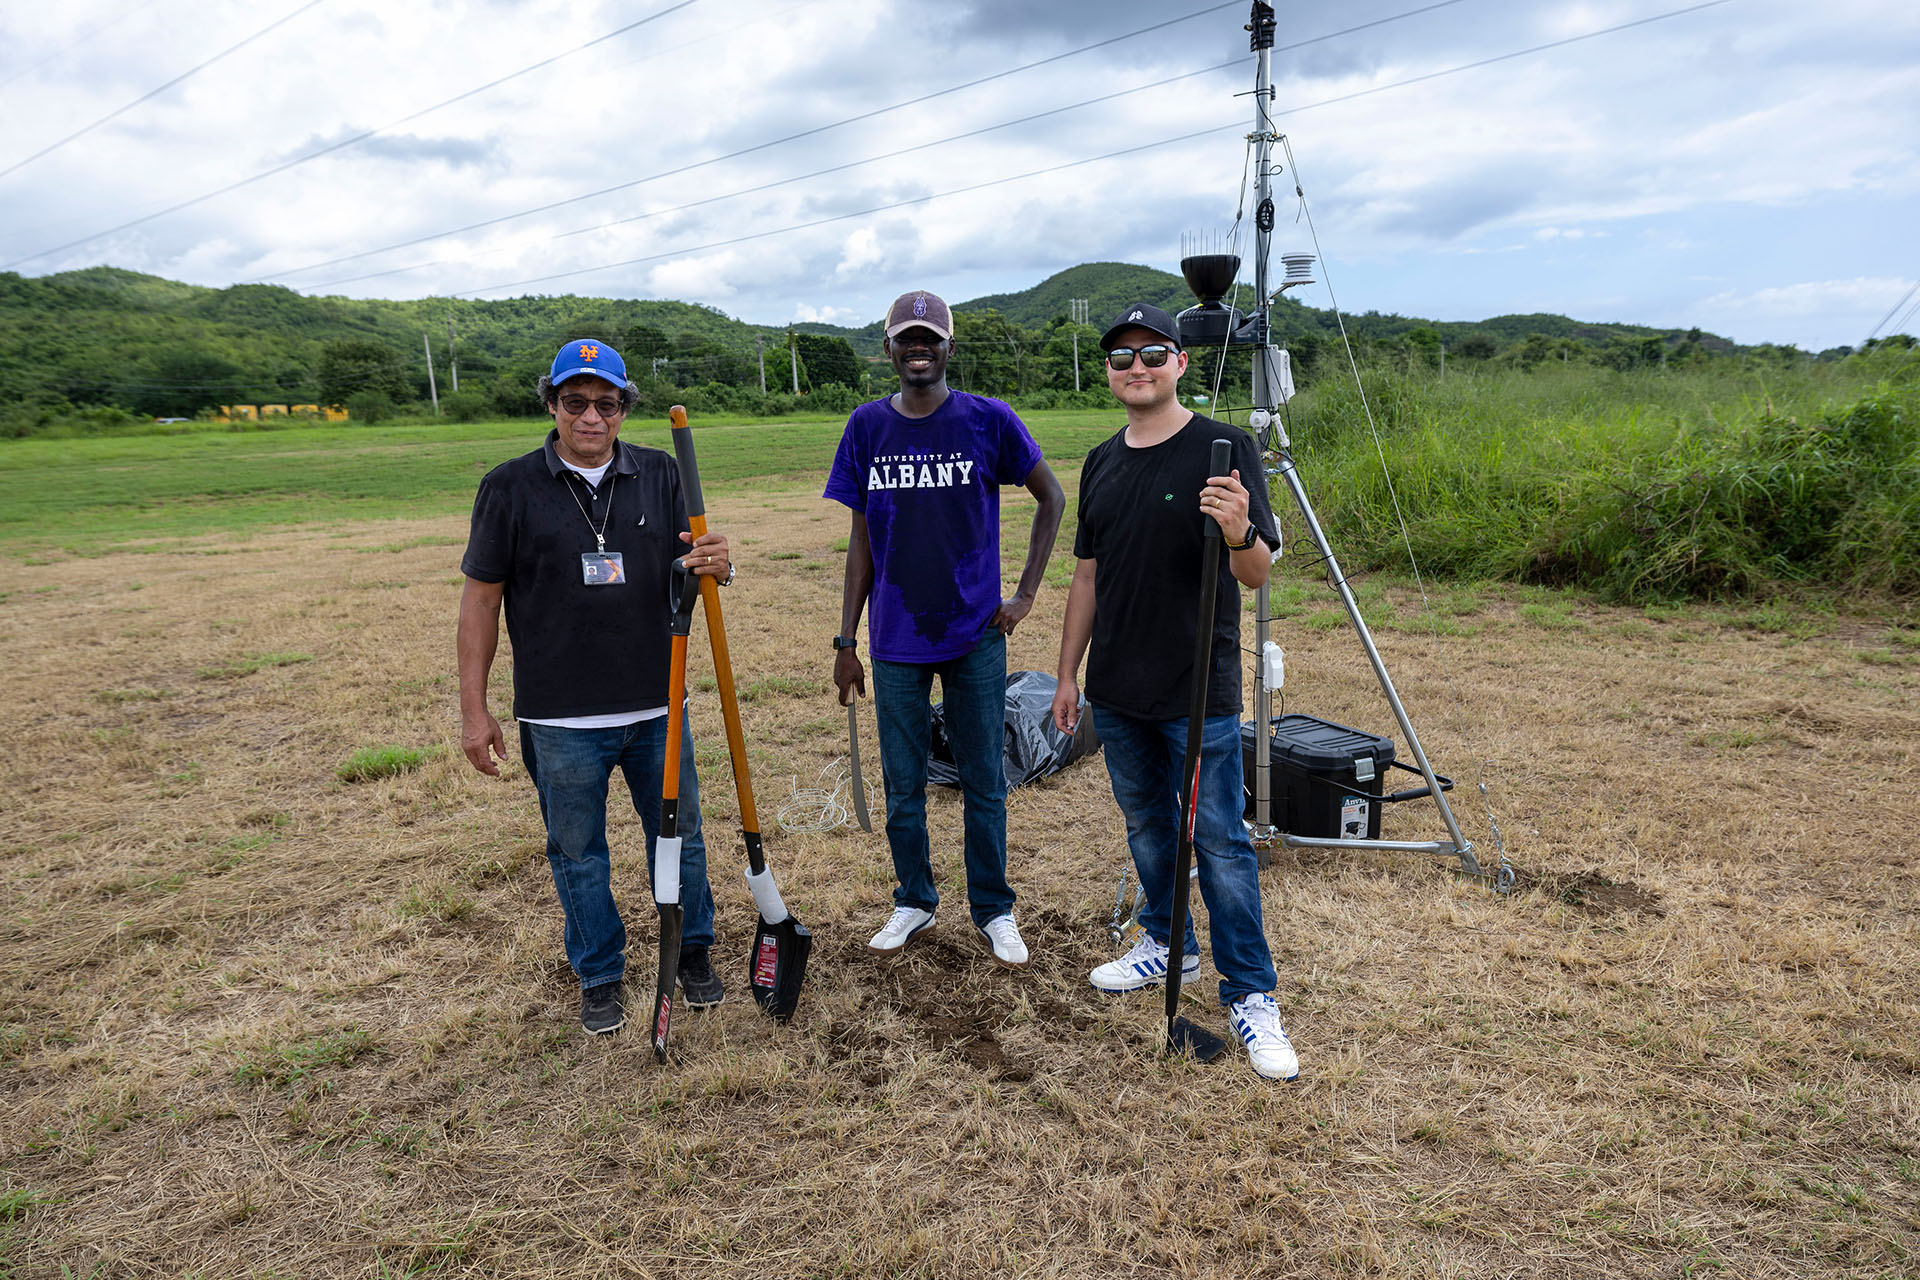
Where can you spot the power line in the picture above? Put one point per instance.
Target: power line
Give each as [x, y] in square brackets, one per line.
[852, 164]
[1890, 311]
[1111, 155]
[336, 146]
[152, 93]
[782, 182]
[734, 155]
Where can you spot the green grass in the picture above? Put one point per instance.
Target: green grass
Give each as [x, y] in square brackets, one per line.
[1726, 482]
[369, 763]
[92, 495]
[299, 1060]
[1709, 483]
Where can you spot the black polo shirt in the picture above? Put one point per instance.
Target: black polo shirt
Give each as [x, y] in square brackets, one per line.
[581, 650]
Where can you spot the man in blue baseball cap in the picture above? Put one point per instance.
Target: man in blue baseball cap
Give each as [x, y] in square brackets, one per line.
[576, 541]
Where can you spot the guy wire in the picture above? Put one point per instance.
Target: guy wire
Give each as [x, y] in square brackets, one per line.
[1406, 538]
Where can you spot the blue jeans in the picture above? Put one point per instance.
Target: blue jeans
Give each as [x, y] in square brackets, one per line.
[570, 770]
[973, 687]
[1144, 759]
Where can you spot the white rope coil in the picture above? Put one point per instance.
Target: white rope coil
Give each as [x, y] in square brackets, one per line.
[823, 806]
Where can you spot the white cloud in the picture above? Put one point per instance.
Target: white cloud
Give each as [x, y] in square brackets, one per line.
[847, 316]
[1714, 143]
[862, 251]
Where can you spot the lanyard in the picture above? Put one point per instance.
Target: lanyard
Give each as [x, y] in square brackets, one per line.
[600, 534]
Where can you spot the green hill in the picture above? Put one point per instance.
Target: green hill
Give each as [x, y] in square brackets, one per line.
[106, 336]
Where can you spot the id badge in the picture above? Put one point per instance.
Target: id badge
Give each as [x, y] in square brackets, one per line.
[602, 568]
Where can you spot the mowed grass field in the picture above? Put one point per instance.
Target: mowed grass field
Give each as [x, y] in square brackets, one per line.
[258, 1020]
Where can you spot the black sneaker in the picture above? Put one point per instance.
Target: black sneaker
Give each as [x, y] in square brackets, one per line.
[698, 982]
[601, 1012]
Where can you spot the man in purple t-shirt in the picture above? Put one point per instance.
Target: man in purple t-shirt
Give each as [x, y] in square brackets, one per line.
[921, 471]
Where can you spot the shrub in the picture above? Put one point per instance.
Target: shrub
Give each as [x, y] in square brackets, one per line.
[369, 406]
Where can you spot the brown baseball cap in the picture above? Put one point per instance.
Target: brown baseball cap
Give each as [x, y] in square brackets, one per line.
[921, 308]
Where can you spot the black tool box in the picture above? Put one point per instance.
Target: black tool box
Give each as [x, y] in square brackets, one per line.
[1326, 778]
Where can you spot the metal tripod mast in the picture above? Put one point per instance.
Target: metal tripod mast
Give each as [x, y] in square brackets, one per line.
[1265, 390]
[1272, 436]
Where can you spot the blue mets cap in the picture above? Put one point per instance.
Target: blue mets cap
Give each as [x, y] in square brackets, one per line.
[588, 355]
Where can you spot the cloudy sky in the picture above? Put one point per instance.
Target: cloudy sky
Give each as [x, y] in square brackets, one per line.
[1747, 166]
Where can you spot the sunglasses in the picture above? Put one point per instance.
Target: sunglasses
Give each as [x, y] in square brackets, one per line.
[1120, 359]
[606, 406]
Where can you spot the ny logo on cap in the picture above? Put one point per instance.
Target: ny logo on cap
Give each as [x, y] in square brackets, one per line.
[1137, 316]
[588, 352]
[920, 306]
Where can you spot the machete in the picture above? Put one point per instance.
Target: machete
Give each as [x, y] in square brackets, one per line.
[1182, 1035]
[853, 754]
[778, 963]
[666, 846]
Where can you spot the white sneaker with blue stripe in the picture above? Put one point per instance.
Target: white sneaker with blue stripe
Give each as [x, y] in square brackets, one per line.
[1144, 966]
[1256, 1020]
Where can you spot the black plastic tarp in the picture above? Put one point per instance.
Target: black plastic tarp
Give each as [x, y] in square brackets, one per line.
[1032, 747]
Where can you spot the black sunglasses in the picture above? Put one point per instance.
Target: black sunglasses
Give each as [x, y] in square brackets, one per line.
[607, 407]
[1120, 359]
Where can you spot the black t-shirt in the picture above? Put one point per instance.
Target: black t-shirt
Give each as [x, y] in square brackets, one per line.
[581, 650]
[1140, 522]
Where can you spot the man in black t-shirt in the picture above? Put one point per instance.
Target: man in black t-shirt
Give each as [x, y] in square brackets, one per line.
[577, 540]
[1145, 498]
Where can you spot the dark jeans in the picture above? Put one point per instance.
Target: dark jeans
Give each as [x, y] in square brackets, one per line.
[570, 770]
[973, 688]
[1144, 759]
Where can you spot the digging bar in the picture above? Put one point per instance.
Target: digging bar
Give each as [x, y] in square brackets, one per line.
[1182, 1035]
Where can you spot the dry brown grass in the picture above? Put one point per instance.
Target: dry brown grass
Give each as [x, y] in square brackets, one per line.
[260, 1021]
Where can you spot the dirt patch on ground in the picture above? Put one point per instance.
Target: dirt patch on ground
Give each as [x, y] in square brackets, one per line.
[255, 1018]
[1590, 892]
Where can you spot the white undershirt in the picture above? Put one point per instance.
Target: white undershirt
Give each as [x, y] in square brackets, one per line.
[590, 474]
[614, 719]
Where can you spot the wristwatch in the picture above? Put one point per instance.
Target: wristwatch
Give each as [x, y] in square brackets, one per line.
[844, 642]
[1253, 534]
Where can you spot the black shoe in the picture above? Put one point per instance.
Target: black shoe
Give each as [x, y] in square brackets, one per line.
[601, 1013]
[698, 982]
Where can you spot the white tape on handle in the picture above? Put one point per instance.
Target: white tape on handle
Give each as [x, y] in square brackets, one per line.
[767, 894]
[666, 870]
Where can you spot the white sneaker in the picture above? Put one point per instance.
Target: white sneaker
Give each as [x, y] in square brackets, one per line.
[1256, 1020]
[1144, 966]
[902, 925]
[1004, 935]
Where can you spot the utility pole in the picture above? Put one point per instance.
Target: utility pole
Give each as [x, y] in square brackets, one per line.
[453, 363]
[760, 349]
[793, 349]
[1443, 362]
[1077, 316]
[431, 389]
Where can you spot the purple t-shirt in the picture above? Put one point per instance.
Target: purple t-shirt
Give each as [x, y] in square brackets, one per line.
[930, 490]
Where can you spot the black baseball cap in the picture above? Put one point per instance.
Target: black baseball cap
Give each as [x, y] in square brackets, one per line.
[1142, 315]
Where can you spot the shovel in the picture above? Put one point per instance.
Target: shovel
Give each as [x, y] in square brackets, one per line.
[778, 963]
[1182, 1035]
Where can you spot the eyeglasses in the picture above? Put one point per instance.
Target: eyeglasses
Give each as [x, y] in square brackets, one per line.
[1120, 359]
[607, 406]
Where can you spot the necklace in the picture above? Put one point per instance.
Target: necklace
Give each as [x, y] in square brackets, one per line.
[600, 534]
